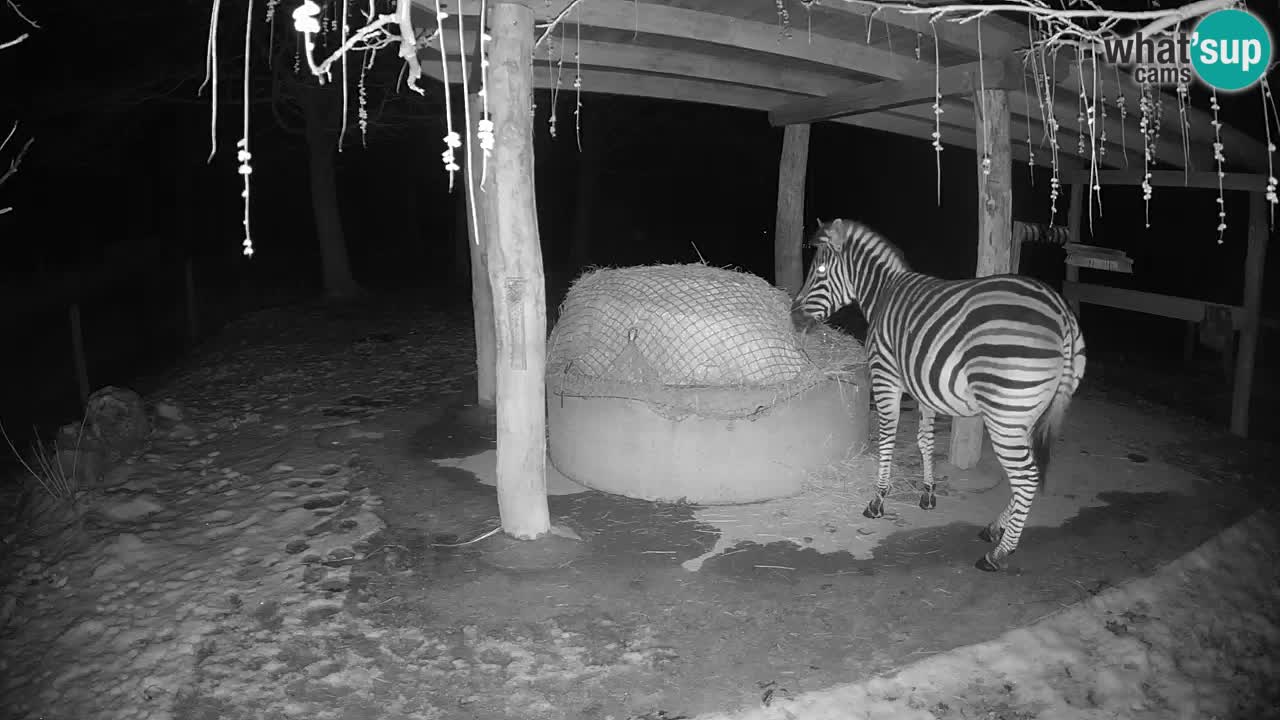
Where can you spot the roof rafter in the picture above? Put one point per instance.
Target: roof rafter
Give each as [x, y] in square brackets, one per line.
[1000, 36]
[922, 86]
[721, 30]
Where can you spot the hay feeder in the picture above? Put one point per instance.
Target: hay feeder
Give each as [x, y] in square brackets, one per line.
[687, 382]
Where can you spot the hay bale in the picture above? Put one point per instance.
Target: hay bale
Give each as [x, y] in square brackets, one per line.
[676, 325]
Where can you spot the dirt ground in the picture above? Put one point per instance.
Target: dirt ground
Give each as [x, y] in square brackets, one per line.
[292, 555]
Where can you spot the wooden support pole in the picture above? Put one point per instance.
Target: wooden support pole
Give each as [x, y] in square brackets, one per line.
[77, 352]
[788, 238]
[1255, 261]
[995, 234]
[481, 292]
[1075, 218]
[516, 277]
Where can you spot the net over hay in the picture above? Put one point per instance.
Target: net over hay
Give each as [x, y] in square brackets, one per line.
[681, 325]
[688, 339]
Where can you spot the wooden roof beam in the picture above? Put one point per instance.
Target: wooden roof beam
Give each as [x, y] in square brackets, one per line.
[1005, 73]
[682, 63]
[1202, 179]
[676, 22]
[716, 93]
[1000, 36]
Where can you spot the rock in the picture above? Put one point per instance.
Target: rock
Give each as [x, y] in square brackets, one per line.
[169, 411]
[182, 431]
[118, 475]
[83, 467]
[132, 509]
[118, 419]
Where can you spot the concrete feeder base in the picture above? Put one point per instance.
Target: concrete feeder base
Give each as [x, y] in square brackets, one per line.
[622, 446]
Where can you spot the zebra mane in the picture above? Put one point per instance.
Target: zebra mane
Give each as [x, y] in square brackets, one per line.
[838, 233]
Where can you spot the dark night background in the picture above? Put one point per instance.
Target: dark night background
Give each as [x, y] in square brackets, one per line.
[117, 177]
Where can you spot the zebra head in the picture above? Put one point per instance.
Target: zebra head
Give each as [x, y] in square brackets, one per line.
[850, 264]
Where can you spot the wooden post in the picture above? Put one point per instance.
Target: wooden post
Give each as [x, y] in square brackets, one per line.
[516, 277]
[1075, 216]
[1255, 260]
[481, 292]
[788, 238]
[995, 234]
[77, 351]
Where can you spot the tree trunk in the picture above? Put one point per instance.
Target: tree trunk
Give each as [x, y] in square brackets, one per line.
[516, 277]
[335, 265]
[473, 259]
[788, 239]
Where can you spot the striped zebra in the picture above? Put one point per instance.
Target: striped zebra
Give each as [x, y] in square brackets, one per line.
[1005, 347]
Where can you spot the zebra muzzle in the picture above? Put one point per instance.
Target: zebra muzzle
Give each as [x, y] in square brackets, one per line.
[802, 320]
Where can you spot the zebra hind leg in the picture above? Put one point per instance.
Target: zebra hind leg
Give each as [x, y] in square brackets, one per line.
[994, 532]
[1024, 479]
[924, 439]
[1024, 491]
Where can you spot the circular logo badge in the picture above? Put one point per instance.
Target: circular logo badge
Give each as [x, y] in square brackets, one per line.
[1231, 49]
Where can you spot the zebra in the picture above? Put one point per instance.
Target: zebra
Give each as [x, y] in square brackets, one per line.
[1005, 347]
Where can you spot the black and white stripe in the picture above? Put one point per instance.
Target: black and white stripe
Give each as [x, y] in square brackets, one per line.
[1041, 233]
[1005, 347]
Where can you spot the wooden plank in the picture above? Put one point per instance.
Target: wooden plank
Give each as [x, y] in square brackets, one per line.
[1254, 264]
[608, 56]
[995, 234]
[713, 93]
[748, 36]
[788, 239]
[516, 278]
[1170, 306]
[1000, 36]
[595, 54]
[920, 87]
[1118, 265]
[725, 86]
[1201, 179]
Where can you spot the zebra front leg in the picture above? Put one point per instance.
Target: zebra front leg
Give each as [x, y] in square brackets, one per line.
[924, 438]
[887, 395]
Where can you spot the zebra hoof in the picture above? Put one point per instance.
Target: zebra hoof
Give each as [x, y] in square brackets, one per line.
[986, 535]
[987, 564]
[875, 509]
[928, 501]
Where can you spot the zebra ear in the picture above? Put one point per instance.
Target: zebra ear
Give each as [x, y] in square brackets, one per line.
[836, 233]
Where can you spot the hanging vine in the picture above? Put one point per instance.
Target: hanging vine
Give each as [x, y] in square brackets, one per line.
[1081, 26]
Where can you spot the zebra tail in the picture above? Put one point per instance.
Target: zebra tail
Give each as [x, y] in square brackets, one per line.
[1047, 425]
